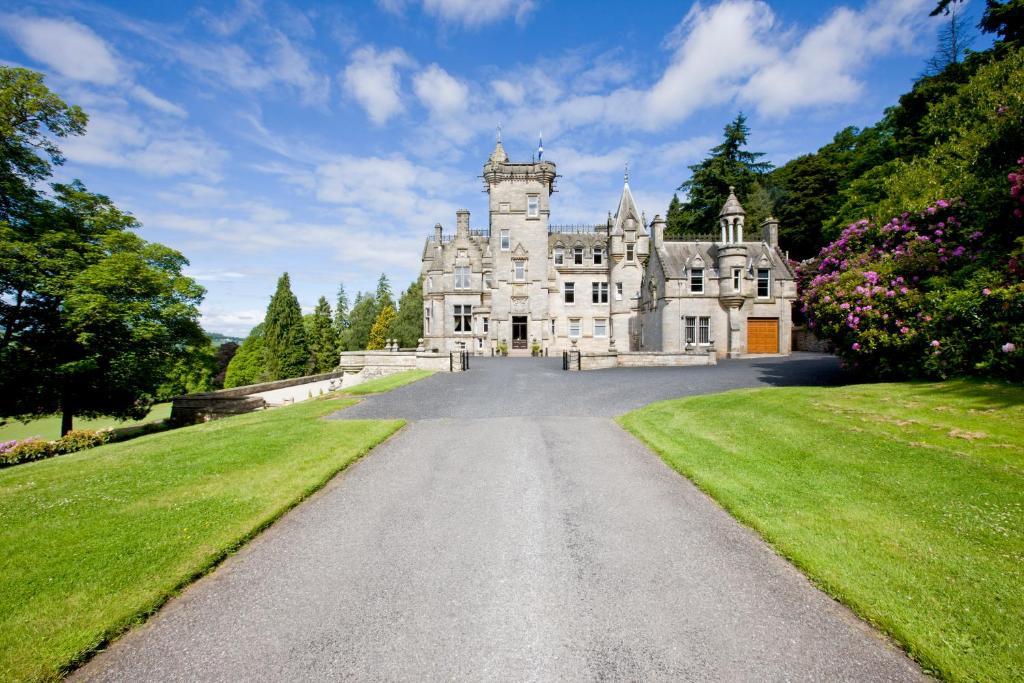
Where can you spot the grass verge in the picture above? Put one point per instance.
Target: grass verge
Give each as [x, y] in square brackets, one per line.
[49, 427]
[388, 382]
[91, 543]
[904, 501]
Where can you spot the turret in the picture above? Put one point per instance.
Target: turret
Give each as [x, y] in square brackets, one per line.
[731, 219]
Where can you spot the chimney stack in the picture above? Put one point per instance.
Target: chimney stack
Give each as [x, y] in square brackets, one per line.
[462, 222]
[770, 232]
[437, 232]
[658, 230]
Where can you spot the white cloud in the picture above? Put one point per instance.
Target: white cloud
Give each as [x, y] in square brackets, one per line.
[67, 47]
[147, 97]
[469, 13]
[821, 67]
[120, 140]
[439, 92]
[511, 93]
[372, 78]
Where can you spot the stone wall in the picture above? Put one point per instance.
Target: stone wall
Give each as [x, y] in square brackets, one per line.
[641, 359]
[805, 340]
[355, 367]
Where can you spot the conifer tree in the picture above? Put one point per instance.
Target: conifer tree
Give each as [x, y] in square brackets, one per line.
[383, 328]
[341, 311]
[323, 344]
[384, 296]
[364, 314]
[674, 217]
[409, 325]
[729, 164]
[284, 337]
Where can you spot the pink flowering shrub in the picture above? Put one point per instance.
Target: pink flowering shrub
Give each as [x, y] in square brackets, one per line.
[907, 298]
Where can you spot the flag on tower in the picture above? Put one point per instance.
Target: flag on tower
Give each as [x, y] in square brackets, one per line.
[540, 146]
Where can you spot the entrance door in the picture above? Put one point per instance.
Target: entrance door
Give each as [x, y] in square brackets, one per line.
[762, 335]
[519, 332]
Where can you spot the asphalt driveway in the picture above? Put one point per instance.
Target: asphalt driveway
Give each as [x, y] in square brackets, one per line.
[512, 531]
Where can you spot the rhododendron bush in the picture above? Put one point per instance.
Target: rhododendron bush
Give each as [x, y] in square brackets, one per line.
[912, 297]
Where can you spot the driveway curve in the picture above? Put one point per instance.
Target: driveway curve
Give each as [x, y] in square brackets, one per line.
[513, 531]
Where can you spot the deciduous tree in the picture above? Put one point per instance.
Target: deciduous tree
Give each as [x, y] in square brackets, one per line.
[383, 328]
[409, 324]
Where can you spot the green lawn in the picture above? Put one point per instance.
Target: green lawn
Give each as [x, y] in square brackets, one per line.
[92, 542]
[49, 427]
[905, 501]
[388, 382]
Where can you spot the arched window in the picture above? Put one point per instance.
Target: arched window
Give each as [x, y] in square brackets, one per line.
[577, 255]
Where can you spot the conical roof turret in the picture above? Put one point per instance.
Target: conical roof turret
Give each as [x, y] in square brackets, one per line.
[732, 205]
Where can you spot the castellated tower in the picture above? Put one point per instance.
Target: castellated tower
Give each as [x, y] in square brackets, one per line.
[519, 208]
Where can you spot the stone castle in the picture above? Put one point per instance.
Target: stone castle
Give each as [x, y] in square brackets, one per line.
[526, 285]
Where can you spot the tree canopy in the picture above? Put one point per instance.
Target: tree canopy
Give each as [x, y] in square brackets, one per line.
[728, 164]
[286, 348]
[323, 343]
[408, 328]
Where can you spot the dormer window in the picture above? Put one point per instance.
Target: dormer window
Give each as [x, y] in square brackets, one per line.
[577, 255]
[629, 252]
[598, 256]
[532, 206]
[506, 240]
[764, 283]
[696, 280]
[559, 256]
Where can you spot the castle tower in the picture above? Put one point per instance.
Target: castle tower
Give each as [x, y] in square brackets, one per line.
[732, 278]
[519, 209]
[629, 245]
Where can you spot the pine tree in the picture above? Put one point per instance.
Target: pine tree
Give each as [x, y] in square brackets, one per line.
[729, 164]
[341, 311]
[674, 217]
[287, 350]
[409, 325]
[383, 328]
[384, 296]
[364, 314]
[323, 344]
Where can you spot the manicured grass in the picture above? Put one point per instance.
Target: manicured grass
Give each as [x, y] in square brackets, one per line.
[905, 501]
[92, 542]
[49, 427]
[388, 382]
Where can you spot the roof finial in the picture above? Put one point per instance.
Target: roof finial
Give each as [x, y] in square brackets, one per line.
[499, 132]
[540, 146]
[625, 175]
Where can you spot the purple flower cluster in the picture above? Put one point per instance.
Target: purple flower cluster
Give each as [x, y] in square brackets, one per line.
[1017, 188]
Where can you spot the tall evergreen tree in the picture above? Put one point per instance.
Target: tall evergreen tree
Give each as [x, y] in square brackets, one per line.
[323, 344]
[674, 217]
[383, 328]
[409, 325]
[284, 336]
[364, 314]
[384, 297]
[729, 164]
[341, 319]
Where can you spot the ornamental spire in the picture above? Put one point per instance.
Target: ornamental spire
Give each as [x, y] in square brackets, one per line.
[625, 175]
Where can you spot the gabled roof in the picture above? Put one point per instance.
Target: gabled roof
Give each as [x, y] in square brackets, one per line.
[627, 209]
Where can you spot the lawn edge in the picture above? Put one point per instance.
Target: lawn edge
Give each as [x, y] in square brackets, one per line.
[883, 631]
[208, 566]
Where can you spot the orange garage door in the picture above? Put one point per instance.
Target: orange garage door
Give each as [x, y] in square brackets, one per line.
[762, 335]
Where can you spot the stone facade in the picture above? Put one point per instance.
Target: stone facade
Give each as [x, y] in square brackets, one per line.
[525, 284]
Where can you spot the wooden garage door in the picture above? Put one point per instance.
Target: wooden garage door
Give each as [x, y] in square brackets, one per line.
[762, 335]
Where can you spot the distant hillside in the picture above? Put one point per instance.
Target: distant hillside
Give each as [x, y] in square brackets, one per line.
[217, 338]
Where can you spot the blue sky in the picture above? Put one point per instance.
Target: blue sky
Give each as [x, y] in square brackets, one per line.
[262, 137]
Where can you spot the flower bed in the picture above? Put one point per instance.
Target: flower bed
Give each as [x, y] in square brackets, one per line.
[28, 450]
